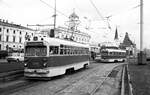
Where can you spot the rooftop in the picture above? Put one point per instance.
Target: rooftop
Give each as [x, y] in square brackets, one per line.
[6, 23]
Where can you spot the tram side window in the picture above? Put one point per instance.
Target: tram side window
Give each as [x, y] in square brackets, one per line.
[110, 53]
[53, 49]
[120, 53]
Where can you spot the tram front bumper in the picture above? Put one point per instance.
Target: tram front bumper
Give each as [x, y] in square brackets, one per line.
[36, 73]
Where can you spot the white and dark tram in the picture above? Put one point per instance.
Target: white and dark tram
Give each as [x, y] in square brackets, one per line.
[110, 54]
[48, 57]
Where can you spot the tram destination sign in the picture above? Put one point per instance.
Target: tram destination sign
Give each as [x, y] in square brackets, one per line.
[35, 44]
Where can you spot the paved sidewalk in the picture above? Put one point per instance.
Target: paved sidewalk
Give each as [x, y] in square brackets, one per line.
[140, 79]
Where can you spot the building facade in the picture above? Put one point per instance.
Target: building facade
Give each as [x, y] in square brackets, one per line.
[13, 35]
[77, 36]
[72, 32]
[129, 46]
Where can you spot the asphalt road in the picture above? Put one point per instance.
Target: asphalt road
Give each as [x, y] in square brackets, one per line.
[81, 82]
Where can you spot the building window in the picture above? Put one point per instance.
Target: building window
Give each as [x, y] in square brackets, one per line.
[14, 38]
[7, 47]
[7, 30]
[7, 38]
[20, 40]
[0, 29]
[0, 37]
[14, 31]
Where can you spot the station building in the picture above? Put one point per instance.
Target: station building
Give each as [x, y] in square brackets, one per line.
[78, 36]
[72, 32]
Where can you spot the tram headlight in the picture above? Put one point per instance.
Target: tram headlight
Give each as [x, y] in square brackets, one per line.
[25, 64]
[45, 64]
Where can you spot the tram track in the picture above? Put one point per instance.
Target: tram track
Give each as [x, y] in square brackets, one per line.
[67, 81]
[104, 78]
[84, 76]
[110, 76]
[98, 86]
[29, 83]
[19, 86]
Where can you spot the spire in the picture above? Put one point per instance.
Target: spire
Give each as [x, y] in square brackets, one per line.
[127, 40]
[116, 34]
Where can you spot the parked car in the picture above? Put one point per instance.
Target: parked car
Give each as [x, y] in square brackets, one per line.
[15, 57]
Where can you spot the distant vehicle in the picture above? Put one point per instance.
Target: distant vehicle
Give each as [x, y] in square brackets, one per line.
[113, 55]
[15, 56]
[47, 57]
[94, 50]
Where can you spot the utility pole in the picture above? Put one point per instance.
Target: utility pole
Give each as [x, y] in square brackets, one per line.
[55, 16]
[141, 25]
[142, 54]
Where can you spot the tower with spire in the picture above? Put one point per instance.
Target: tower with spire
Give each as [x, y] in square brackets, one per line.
[116, 38]
[116, 35]
[127, 42]
[73, 23]
[128, 45]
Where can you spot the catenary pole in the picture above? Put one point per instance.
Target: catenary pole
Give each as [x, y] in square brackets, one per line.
[141, 25]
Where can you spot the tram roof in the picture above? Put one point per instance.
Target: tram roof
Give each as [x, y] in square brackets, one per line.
[56, 41]
[115, 50]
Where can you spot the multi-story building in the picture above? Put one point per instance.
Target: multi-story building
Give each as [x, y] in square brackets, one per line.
[72, 32]
[78, 36]
[13, 35]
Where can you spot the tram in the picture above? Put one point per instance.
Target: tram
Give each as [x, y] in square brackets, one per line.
[48, 57]
[113, 55]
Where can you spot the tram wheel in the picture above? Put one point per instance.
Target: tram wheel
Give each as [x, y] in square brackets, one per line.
[70, 71]
[85, 66]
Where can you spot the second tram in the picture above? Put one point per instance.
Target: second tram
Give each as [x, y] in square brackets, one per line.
[47, 57]
[113, 55]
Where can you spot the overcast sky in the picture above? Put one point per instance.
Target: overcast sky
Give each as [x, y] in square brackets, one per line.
[124, 15]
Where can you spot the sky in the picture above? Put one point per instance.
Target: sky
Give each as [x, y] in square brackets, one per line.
[124, 14]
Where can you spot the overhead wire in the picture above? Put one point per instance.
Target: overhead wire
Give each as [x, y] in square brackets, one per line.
[53, 8]
[98, 12]
[127, 10]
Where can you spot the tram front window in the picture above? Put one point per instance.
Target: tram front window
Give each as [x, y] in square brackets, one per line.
[104, 53]
[35, 51]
